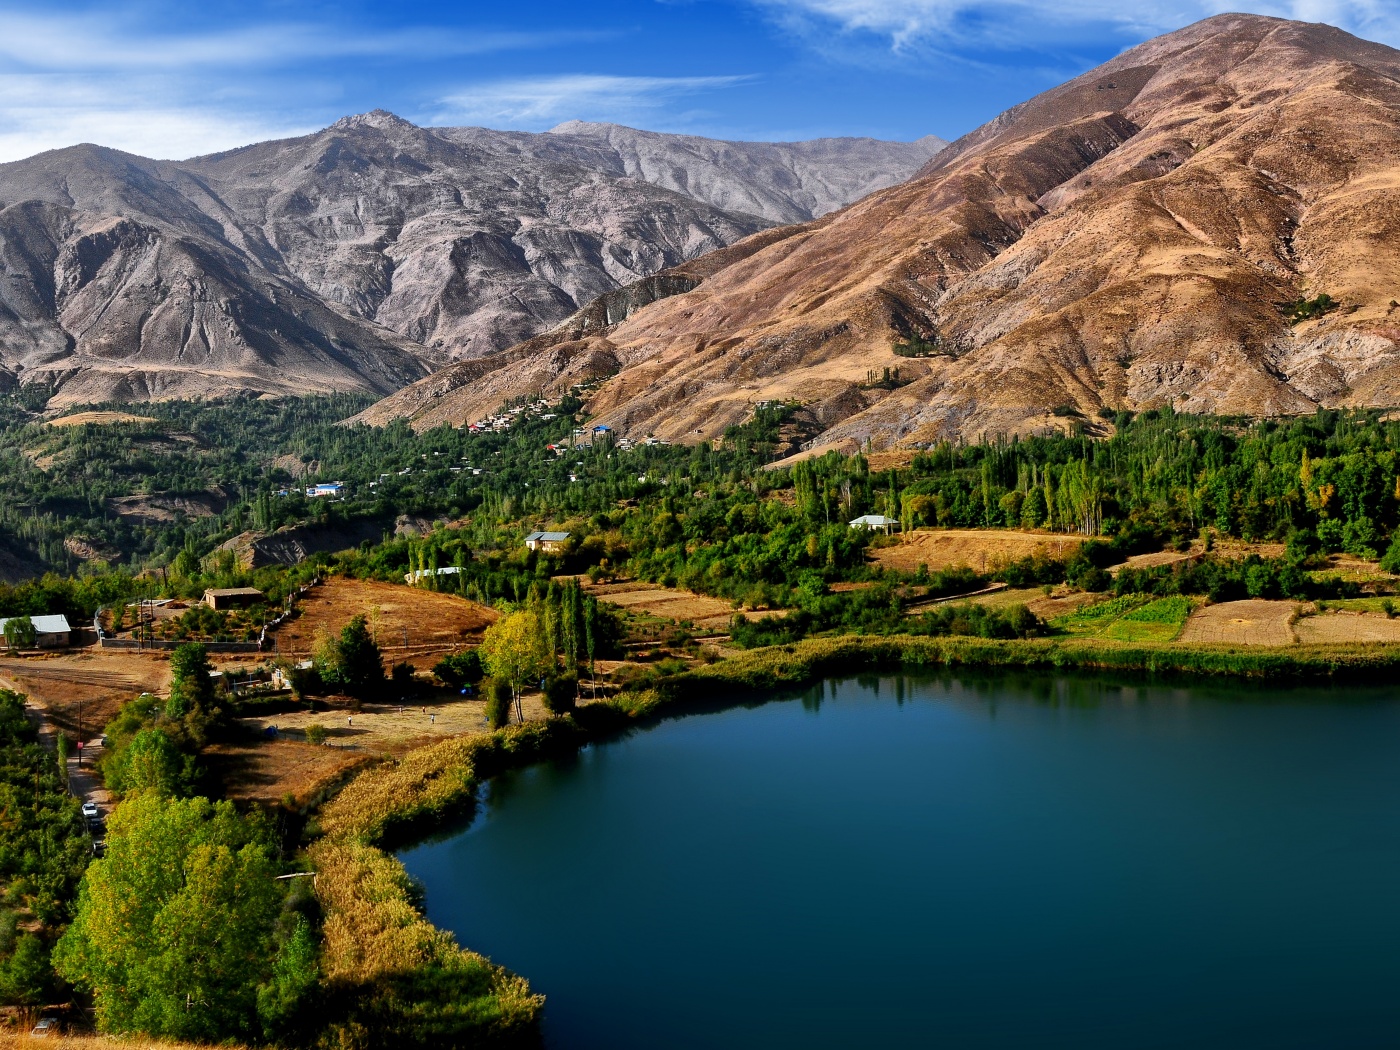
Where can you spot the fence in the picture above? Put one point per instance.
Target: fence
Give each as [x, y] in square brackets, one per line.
[106, 641]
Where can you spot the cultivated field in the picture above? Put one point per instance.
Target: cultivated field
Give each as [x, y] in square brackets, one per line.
[979, 549]
[1342, 627]
[1059, 602]
[671, 603]
[1252, 622]
[410, 624]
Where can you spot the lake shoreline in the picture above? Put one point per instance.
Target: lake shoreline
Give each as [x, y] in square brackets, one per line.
[368, 894]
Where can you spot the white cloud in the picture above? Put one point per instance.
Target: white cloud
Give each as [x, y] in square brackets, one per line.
[914, 25]
[540, 102]
[49, 111]
[87, 42]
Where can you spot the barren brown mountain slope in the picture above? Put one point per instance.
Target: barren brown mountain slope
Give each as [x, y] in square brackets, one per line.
[366, 254]
[1129, 239]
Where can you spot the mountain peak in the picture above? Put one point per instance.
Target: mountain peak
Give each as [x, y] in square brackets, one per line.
[380, 119]
[579, 127]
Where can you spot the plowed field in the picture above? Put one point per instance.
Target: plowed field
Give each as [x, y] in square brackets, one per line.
[1253, 622]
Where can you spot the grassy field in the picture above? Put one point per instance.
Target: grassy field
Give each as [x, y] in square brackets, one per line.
[1157, 621]
[1129, 618]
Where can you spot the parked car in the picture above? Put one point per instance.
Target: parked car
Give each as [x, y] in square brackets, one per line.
[47, 1026]
[90, 810]
[99, 848]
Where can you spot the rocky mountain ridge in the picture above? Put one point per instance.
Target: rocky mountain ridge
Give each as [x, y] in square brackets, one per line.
[1208, 221]
[368, 254]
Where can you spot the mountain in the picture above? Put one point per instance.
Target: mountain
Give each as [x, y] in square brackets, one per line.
[1155, 232]
[368, 254]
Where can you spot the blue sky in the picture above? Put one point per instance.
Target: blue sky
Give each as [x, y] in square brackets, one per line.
[170, 79]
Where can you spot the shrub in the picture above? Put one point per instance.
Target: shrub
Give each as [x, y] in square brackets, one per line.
[560, 694]
[459, 669]
[498, 701]
[316, 734]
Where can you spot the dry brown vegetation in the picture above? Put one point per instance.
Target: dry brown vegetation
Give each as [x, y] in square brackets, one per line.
[82, 690]
[671, 603]
[99, 419]
[269, 772]
[1343, 627]
[1251, 622]
[97, 1042]
[409, 623]
[979, 549]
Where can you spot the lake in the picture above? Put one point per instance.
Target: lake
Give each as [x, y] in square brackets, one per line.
[960, 862]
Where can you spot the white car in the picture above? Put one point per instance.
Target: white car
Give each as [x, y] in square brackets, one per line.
[46, 1026]
[90, 809]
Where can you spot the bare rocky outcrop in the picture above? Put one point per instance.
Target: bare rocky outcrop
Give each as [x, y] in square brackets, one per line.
[1128, 240]
[368, 254]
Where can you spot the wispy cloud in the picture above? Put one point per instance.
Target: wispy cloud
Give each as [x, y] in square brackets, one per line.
[89, 42]
[538, 102]
[916, 26]
[173, 91]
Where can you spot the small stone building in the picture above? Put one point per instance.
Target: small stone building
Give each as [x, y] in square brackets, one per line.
[233, 597]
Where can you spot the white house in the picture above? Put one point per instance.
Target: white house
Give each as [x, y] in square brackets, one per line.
[50, 632]
[325, 488]
[875, 523]
[546, 541]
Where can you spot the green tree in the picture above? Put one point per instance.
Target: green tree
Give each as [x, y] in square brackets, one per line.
[152, 761]
[191, 687]
[515, 651]
[498, 699]
[295, 971]
[26, 979]
[361, 664]
[19, 632]
[173, 935]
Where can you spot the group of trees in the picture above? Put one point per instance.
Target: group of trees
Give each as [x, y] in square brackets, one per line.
[44, 851]
[183, 930]
[548, 642]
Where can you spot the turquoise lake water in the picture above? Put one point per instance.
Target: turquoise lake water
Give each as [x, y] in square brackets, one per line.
[1002, 862]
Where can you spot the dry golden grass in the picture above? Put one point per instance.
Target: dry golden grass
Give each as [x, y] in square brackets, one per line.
[267, 771]
[1252, 622]
[979, 549]
[99, 418]
[410, 623]
[1343, 627]
[80, 691]
[98, 1042]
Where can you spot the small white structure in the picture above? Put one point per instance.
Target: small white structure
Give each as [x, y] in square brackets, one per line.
[325, 488]
[50, 632]
[418, 574]
[875, 523]
[546, 541]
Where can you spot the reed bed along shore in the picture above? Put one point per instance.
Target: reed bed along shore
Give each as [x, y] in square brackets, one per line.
[393, 972]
